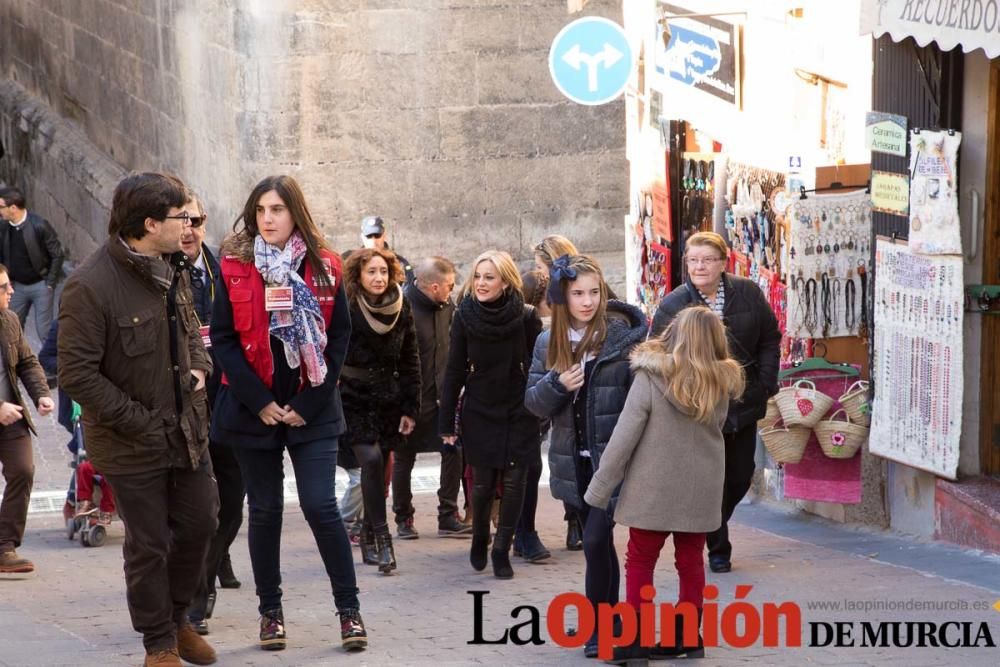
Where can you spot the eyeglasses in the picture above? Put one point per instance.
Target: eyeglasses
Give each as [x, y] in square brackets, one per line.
[702, 261]
[373, 236]
[193, 220]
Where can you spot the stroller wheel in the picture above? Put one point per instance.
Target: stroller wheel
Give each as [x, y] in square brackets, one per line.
[85, 537]
[98, 535]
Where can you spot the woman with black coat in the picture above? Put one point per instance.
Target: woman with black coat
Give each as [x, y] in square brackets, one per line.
[491, 340]
[580, 378]
[754, 340]
[379, 385]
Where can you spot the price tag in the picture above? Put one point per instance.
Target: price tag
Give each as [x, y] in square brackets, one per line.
[277, 298]
[205, 338]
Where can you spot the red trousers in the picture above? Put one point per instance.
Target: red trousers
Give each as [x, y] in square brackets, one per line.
[85, 487]
[644, 550]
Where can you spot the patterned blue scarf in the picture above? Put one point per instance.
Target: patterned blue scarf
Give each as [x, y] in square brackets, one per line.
[302, 328]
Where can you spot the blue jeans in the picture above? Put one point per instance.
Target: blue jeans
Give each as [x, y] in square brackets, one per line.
[315, 464]
[37, 295]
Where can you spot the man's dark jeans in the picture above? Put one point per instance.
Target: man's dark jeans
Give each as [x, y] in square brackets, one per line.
[315, 464]
[170, 517]
[403, 460]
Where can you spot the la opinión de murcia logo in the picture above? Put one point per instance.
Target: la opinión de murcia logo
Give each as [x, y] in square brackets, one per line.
[736, 624]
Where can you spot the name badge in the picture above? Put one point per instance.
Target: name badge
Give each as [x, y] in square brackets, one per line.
[277, 298]
[205, 338]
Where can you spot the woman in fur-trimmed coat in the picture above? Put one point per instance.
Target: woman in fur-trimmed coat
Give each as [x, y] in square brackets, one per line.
[379, 385]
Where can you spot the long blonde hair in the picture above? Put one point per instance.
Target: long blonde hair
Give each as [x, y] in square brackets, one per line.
[697, 367]
[505, 267]
[561, 355]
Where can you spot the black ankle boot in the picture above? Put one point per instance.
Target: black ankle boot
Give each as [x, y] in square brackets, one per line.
[367, 544]
[500, 554]
[478, 552]
[679, 650]
[574, 536]
[385, 553]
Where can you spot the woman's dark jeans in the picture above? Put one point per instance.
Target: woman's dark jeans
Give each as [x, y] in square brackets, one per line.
[315, 464]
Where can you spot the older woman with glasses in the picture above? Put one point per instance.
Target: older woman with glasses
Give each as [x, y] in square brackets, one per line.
[754, 339]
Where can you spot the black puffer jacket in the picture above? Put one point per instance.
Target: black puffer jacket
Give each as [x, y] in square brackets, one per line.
[609, 384]
[754, 341]
[488, 355]
[380, 380]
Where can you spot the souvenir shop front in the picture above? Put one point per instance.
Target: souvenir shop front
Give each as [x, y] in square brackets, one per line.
[775, 152]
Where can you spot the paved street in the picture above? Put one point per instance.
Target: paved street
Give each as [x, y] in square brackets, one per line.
[73, 611]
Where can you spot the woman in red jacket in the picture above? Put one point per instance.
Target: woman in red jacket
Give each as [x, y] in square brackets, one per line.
[280, 329]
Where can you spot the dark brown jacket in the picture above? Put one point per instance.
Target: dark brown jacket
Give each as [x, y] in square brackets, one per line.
[20, 362]
[115, 360]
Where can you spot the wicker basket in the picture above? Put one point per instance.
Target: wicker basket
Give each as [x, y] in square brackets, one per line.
[802, 405]
[840, 439]
[771, 417]
[855, 402]
[786, 444]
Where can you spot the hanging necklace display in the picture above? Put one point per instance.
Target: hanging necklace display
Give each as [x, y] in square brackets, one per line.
[918, 352]
[829, 241]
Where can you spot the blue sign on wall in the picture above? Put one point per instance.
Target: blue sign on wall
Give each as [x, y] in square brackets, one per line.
[591, 61]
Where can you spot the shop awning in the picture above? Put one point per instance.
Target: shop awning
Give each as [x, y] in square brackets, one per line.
[970, 24]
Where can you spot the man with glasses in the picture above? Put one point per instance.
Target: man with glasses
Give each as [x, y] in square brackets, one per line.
[31, 250]
[204, 269]
[18, 363]
[131, 354]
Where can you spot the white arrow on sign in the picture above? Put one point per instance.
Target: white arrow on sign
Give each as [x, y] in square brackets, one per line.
[576, 58]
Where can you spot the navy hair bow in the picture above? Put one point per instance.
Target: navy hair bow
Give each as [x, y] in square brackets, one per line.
[561, 270]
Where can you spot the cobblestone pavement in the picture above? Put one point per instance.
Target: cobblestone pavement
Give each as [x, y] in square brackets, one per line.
[73, 610]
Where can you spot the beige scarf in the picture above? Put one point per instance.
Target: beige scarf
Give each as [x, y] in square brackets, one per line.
[392, 308]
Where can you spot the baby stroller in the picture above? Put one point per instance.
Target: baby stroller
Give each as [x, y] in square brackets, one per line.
[90, 525]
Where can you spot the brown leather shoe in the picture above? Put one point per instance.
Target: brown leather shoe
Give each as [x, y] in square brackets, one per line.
[193, 648]
[11, 563]
[165, 658]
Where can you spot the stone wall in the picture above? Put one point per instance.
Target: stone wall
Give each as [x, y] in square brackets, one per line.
[438, 115]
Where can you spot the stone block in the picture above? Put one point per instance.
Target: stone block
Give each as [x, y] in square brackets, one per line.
[334, 81]
[401, 135]
[588, 228]
[328, 32]
[515, 78]
[489, 132]
[518, 184]
[334, 136]
[459, 238]
[480, 29]
[421, 80]
[447, 189]
[400, 31]
[613, 180]
[572, 128]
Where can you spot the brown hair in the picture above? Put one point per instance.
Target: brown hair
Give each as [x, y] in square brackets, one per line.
[141, 196]
[561, 355]
[554, 246]
[697, 367]
[536, 284]
[291, 194]
[358, 260]
[710, 240]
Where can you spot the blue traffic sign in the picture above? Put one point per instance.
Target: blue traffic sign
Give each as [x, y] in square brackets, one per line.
[591, 61]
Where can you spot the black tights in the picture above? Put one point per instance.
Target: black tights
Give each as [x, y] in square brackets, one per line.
[484, 484]
[371, 459]
[534, 476]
